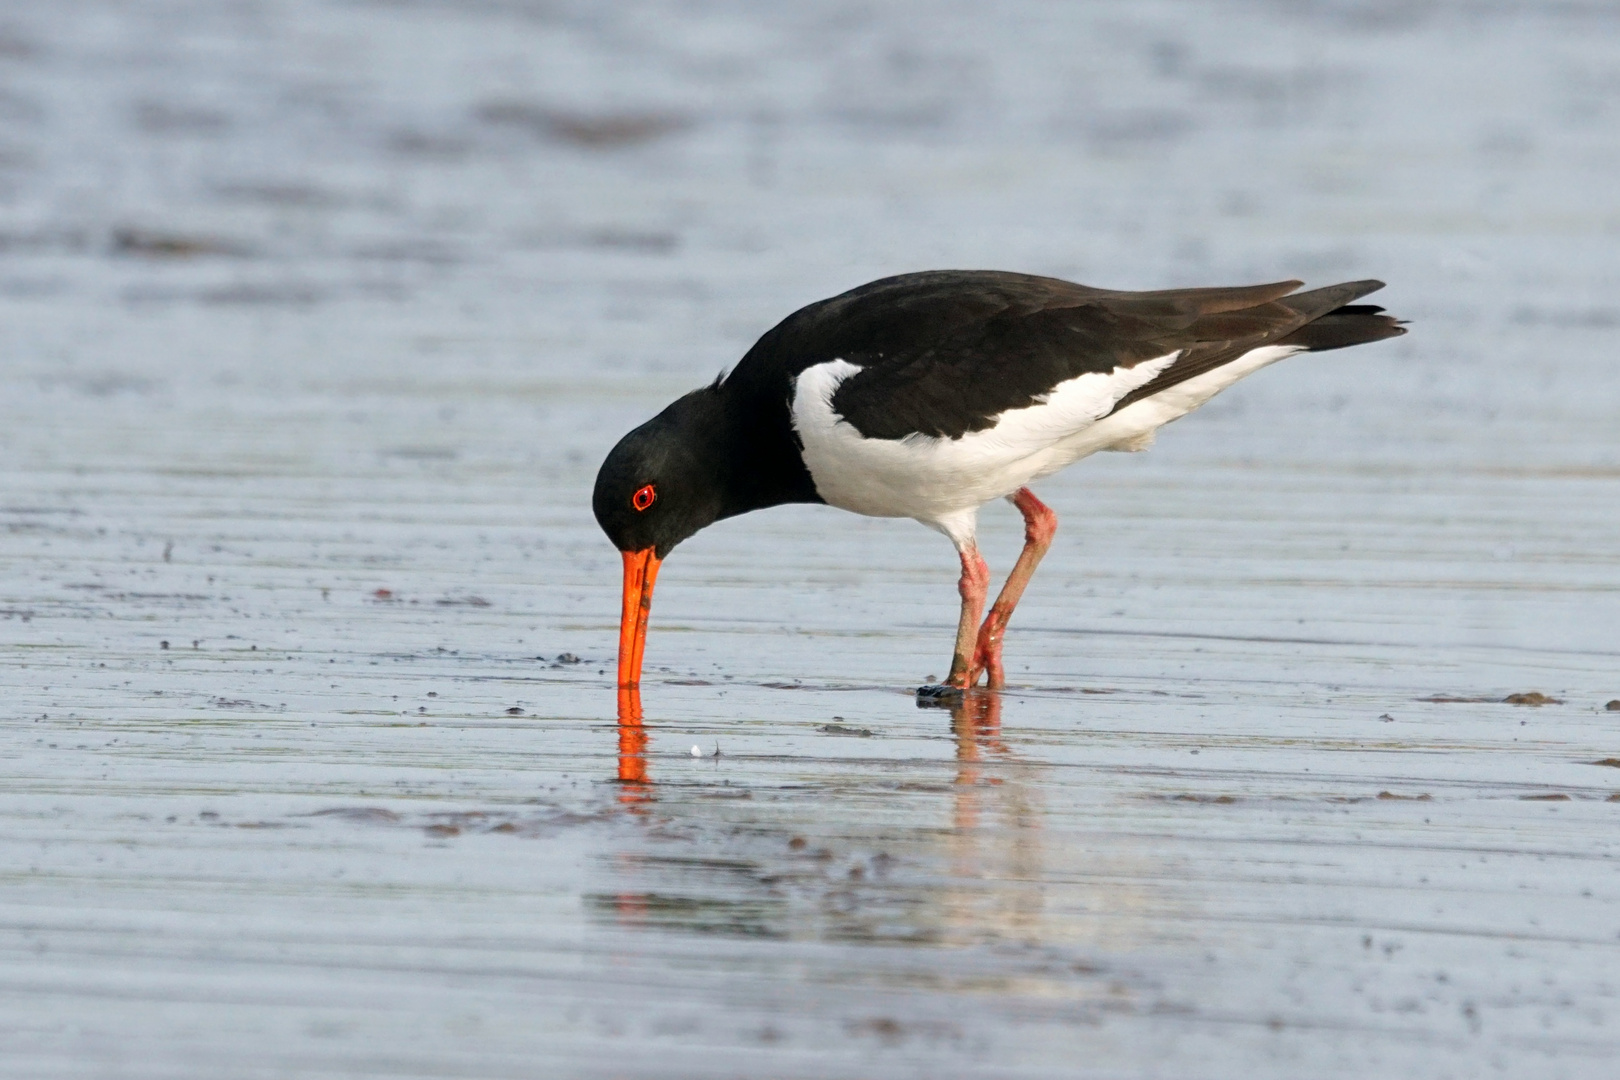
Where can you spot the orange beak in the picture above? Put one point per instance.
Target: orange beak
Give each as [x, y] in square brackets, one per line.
[640, 571]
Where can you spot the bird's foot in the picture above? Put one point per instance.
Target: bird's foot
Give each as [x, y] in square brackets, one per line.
[987, 653]
[949, 694]
[995, 676]
[936, 696]
[964, 671]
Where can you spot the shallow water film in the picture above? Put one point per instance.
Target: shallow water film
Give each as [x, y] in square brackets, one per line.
[318, 316]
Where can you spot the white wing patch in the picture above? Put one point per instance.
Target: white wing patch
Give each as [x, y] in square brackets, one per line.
[1134, 426]
[932, 479]
[942, 482]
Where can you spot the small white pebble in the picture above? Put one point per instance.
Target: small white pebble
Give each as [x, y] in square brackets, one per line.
[696, 752]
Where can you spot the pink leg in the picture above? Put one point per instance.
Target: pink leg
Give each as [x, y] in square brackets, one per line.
[1040, 525]
[974, 586]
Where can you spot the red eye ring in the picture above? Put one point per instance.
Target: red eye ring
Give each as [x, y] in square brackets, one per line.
[644, 497]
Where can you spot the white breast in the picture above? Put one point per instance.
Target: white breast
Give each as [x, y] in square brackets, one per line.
[926, 477]
[942, 481]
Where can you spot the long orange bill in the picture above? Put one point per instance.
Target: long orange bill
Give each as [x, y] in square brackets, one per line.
[640, 571]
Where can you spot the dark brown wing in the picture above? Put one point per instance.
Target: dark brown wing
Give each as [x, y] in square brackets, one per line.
[1318, 320]
[966, 353]
[944, 352]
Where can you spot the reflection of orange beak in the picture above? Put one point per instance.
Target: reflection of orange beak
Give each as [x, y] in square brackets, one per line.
[632, 746]
[640, 571]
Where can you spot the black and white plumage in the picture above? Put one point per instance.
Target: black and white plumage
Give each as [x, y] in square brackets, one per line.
[927, 395]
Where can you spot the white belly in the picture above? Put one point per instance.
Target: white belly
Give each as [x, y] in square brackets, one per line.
[936, 480]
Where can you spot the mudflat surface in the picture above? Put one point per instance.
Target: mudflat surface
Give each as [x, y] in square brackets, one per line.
[317, 318]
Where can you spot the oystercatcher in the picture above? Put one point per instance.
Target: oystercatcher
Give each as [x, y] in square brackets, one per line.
[927, 395]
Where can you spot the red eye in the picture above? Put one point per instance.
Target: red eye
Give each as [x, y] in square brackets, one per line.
[644, 498]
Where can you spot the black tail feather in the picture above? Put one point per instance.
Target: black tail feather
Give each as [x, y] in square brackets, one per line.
[1330, 323]
[1352, 324]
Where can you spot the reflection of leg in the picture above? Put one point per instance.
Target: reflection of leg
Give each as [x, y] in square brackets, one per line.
[975, 584]
[1040, 525]
[985, 711]
[976, 723]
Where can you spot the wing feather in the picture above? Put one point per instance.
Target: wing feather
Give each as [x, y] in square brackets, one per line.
[944, 353]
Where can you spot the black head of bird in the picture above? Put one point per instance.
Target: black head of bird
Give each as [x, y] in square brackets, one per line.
[663, 482]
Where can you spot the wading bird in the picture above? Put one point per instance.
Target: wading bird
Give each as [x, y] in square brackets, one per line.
[928, 395]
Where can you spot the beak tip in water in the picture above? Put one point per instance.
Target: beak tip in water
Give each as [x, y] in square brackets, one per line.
[640, 572]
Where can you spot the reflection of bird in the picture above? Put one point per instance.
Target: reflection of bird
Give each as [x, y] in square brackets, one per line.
[995, 832]
[927, 395]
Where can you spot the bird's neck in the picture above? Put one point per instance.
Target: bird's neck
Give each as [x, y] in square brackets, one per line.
[764, 463]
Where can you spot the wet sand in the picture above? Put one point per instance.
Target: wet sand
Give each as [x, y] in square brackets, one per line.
[319, 317]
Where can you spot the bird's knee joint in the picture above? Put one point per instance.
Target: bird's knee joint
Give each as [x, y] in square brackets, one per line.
[1040, 528]
[973, 586]
[975, 573]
